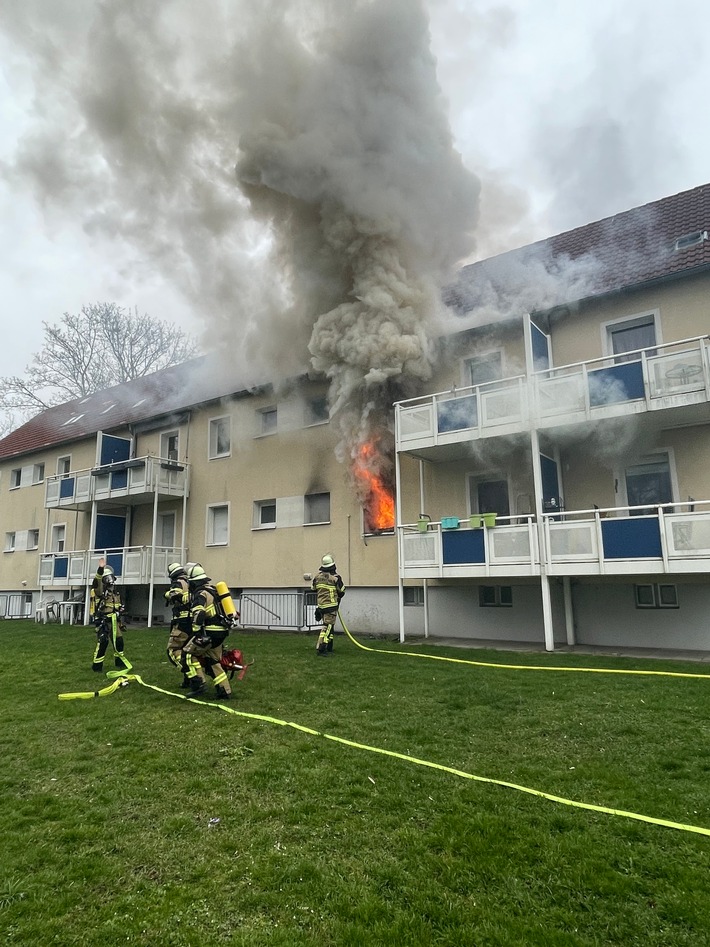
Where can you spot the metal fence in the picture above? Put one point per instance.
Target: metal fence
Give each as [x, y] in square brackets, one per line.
[277, 609]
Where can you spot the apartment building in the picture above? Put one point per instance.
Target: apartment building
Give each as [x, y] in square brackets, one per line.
[562, 487]
[552, 483]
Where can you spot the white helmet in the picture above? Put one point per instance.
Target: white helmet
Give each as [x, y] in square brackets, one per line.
[327, 562]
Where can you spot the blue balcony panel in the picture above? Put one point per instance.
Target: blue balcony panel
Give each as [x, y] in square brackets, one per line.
[616, 384]
[460, 548]
[631, 538]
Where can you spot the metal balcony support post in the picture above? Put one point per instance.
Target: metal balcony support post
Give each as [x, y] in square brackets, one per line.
[422, 508]
[398, 524]
[569, 610]
[544, 577]
[151, 578]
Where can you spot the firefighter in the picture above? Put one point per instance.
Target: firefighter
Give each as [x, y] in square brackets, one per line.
[107, 612]
[209, 629]
[329, 591]
[178, 598]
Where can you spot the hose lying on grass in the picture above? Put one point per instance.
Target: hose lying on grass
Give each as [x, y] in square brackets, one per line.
[125, 678]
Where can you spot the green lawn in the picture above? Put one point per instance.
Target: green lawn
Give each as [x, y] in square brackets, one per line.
[144, 818]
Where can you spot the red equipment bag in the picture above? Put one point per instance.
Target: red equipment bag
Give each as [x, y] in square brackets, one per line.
[233, 661]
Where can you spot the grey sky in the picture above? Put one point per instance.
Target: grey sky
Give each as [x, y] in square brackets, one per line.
[565, 112]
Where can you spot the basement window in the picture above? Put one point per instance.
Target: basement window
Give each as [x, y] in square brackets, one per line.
[656, 595]
[413, 595]
[495, 596]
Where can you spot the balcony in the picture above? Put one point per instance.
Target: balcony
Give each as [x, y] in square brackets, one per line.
[674, 376]
[132, 482]
[456, 548]
[133, 565]
[671, 539]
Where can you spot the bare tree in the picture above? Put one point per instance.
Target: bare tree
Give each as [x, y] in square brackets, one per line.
[103, 345]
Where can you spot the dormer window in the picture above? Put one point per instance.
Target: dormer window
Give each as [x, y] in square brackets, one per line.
[690, 240]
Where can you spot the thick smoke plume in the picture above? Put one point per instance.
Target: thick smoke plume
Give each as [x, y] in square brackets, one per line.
[289, 165]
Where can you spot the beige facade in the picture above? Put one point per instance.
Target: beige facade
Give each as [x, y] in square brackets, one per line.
[552, 479]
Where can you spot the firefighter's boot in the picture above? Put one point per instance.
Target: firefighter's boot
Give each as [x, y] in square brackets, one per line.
[222, 693]
[197, 686]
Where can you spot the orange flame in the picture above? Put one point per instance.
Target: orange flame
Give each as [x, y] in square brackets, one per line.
[379, 498]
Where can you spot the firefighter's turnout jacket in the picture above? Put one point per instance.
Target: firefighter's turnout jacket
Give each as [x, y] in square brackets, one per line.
[209, 629]
[329, 589]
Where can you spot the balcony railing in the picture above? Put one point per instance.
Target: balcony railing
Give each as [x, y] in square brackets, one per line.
[456, 547]
[669, 375]
[132, 565]
[668, 538]
[135, 477]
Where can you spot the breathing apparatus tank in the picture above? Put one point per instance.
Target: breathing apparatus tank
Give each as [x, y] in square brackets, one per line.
[225, 598]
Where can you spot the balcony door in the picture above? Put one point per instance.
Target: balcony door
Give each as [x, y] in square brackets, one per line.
[490, 496]
[650, 481]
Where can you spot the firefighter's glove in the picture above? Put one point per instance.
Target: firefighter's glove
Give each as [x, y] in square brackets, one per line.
[318, 614]
[202, 641]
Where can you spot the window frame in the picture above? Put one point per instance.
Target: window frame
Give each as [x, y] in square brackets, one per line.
[212, 425]
[468, 381]
[315, 522]
[313, 417]
[10, 540]
[629, 322]
[210, 524]
[38, 473]
[265, 429]
[498, 596]
[55, 529]
[656, 595]
[165, 450]
[32, 532]
[259, 507]
[15, 478]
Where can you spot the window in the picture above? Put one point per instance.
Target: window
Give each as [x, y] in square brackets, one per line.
[316, 508]
[9, 542]
[413, 595]
[217, 525]
[220, 437]
[482, 369]
[166, 529]
[32, 538]
[317, 411]
[63, 466]
[268, 421]
[38, 473]
[656, 596]
[264, 513]
[495, 596]
[169, 445]
[15, 478]
[650, 482]
[630, 335]
[58, 538]
[489, 496]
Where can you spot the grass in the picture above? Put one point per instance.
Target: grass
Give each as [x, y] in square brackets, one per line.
[144, 819]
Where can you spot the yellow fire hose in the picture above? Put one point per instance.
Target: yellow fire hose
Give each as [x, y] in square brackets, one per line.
[124, 679]
[518, 667]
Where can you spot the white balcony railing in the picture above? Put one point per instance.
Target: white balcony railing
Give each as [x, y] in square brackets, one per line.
[668, 375]
[137, 476]
[133, 565]
[671, 538]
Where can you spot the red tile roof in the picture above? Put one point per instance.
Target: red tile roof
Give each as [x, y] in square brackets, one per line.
[163, 393]
[626, 250]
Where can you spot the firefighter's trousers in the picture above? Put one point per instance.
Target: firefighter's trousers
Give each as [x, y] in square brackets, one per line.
[206, 651]
[325, 638]
[110, 630]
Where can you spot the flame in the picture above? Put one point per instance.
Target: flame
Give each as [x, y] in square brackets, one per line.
[379, 497]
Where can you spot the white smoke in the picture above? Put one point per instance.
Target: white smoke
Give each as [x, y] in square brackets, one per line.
[288, 165]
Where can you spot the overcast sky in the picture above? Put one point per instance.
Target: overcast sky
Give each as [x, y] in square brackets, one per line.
[566, 112]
